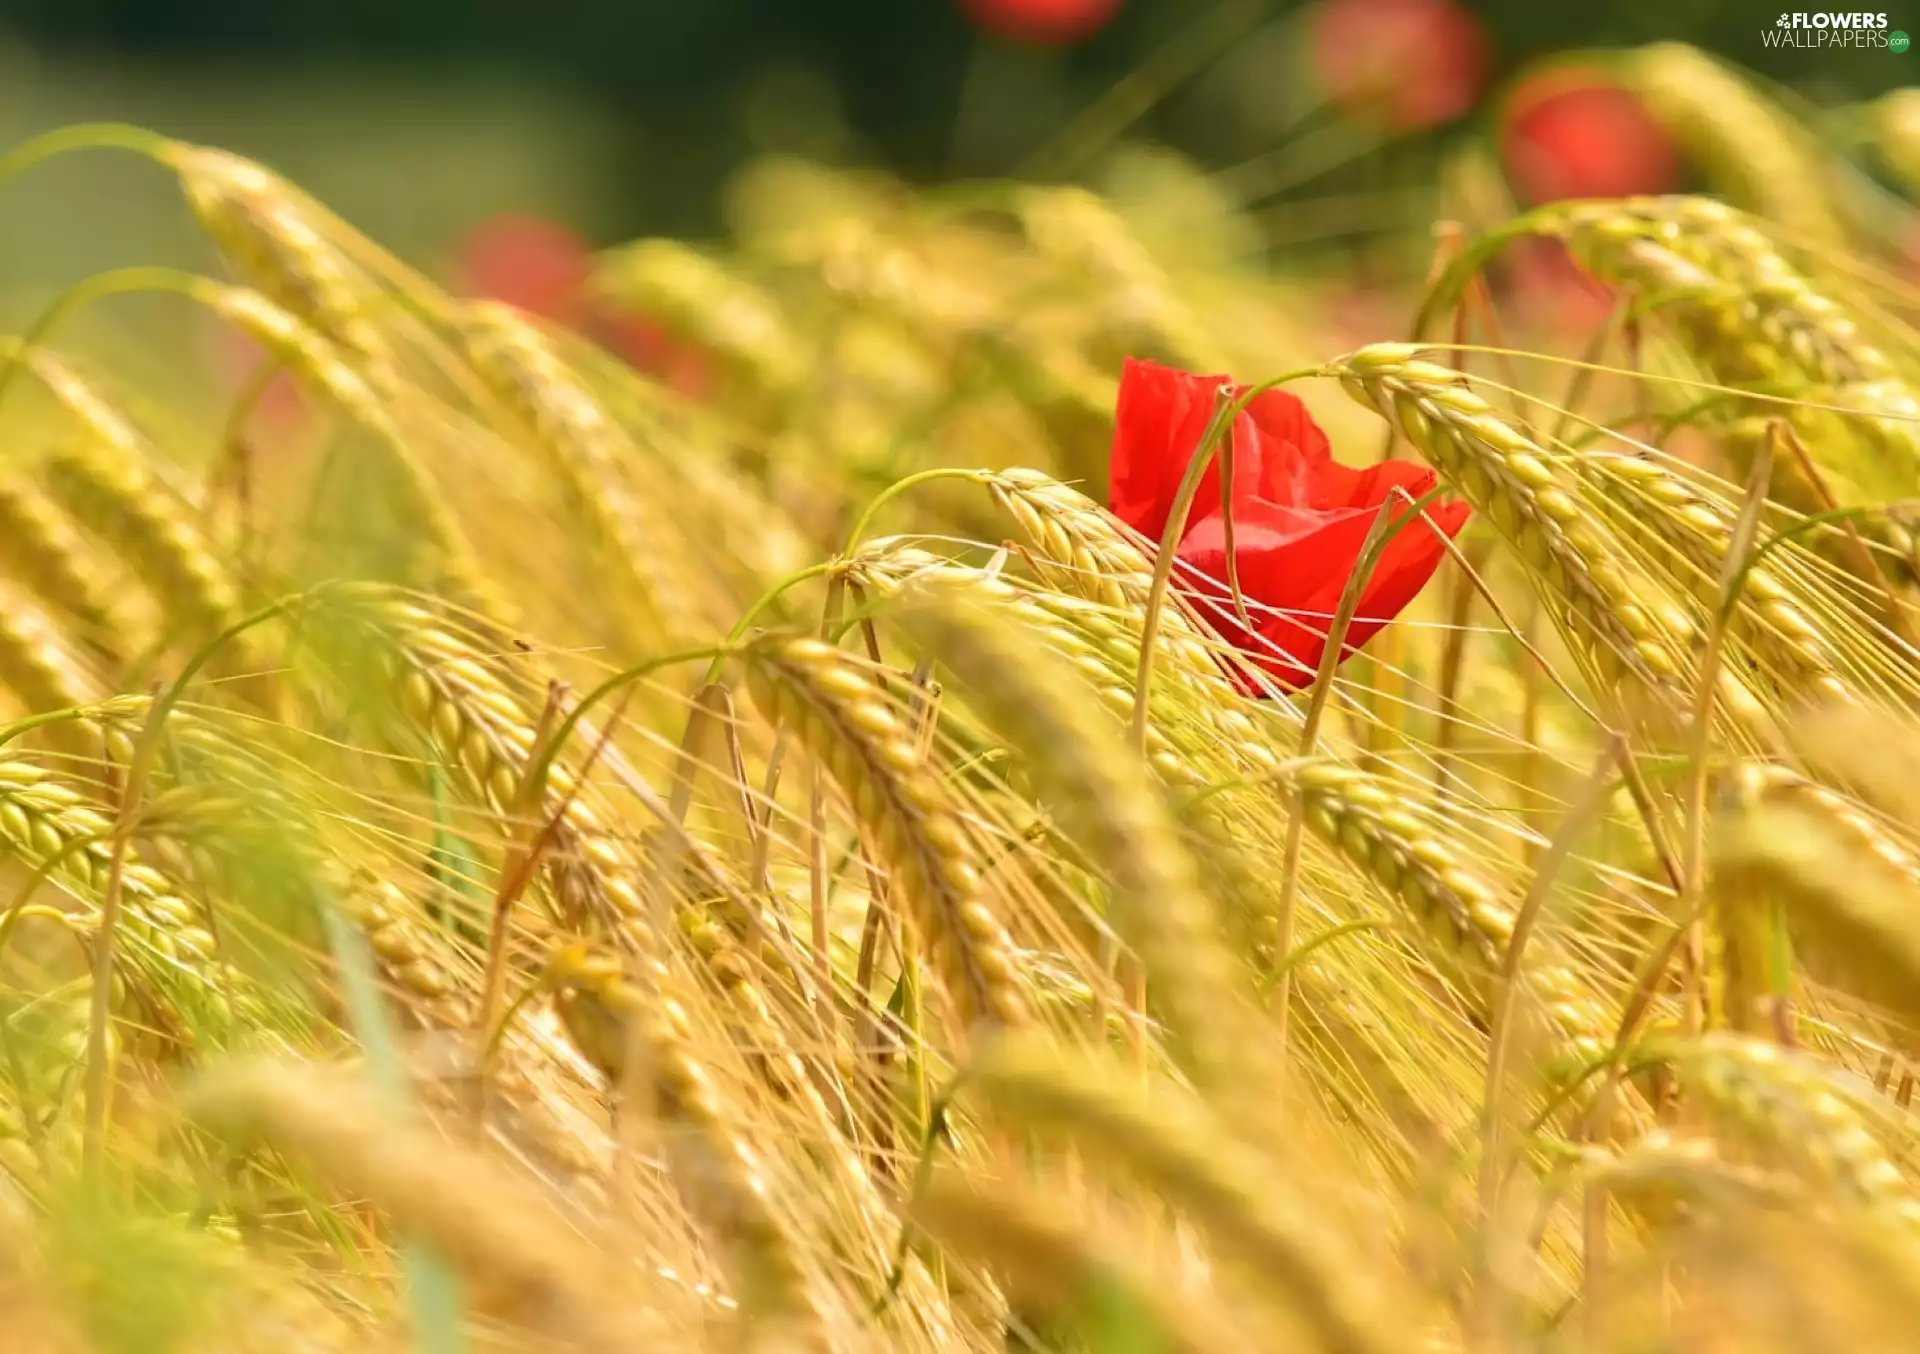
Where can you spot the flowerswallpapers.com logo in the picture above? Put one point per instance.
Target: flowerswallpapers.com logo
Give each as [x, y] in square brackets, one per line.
[1831, 29]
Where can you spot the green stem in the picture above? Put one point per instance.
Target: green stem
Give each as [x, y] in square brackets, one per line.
[83, 136]
[894, 490]
[542, 762]
[737, 635]
[84, 293]
[1385, 527]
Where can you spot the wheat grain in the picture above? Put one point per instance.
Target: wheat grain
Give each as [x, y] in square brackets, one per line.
[1649, 498]
[39, 668]
[40, 548]
[117, 498]
[1111, 806]
[720, 1172]
[1373, 827]
[840, 716]
[1762, 155]
[1191, 1162]
[1505, 475]
[279, 246]
[596, 459]
[728, 314]
[1848, 885]
[1777, 1103]
[1748, 307]
[49, 826]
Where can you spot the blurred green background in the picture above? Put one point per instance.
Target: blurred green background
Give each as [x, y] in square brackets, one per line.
[415, 118]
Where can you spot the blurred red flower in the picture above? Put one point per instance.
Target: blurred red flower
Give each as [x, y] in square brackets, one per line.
[1413, 63]
[1549, 285]
[1299, 517]
[545, 269]
[647, 346]
[1573, 132]
[280, 408]
[1053, 23]
[538, 266]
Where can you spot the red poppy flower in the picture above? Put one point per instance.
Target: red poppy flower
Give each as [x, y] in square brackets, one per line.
[1052, 23]
[1572, 132]
[534, 265]
[1413, 62]
[1299, 517]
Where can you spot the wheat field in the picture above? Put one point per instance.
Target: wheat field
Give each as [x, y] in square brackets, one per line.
[524, 858]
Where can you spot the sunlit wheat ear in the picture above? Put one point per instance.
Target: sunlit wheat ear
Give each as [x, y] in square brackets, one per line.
[275, 243]
[1608, 620]
[41, 670]
[1185, 736]
[841, 717]
[519, 1258]
[1784, 850]
[1783, 1106]
[96, 414]
[705, 302]
[1107, 799]
[447, 556]
[771, 1051]
[412, 956]
[1076, 229]
[1406, 853]
[1641, 496]
[447, 695]
[1831, 478]
[1868, 754]
[596, 461]
[719, 1172]
[1758, 153]
[40, 547]
[1665, 1177]
[46, 825]
[1047, 1257]
[232, 822]
[1747, 310]
[692, 447]
[1090, 556]
[1169, 1143]
[1753, 318]
[115, 496]
[1084, 552]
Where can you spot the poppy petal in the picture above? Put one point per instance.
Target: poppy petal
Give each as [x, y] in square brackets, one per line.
[1290, 561]
[1409, 560]
[1293, 566]
[1294, 452]
[1161, 417]
[1344, 487]
[1299, 517]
